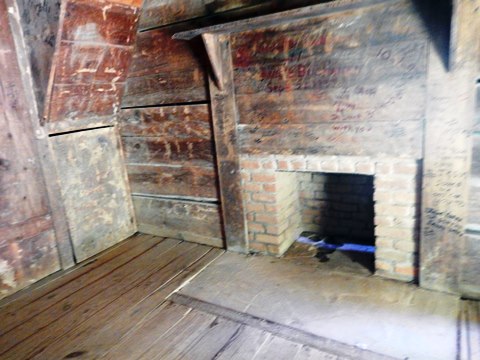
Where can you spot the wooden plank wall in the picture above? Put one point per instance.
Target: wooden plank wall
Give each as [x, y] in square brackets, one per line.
[93, 52]
[28, 250]
[166, 121]
[92, 56]
[347, 83]
[39, 19]
[449, 259]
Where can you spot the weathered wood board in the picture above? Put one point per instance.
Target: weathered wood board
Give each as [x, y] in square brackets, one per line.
[157, 13]
[40, 19]
[25, 260]
[343, 83]
[166, 71]
[94, 188]
[445, 251]
[92, 56]
[175, 181]
[168, 135]
[188, 220]
[161, 12]
[28, 249]
[473, 221]
[225, 119]
[404, 139]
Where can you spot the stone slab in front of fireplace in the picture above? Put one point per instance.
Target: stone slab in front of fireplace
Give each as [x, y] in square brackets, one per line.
[273, 190]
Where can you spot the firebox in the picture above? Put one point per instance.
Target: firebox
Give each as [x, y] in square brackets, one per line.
[360, 200]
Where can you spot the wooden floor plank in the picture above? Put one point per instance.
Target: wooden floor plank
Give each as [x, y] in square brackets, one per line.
[188, 330]
[211, 342]
[469, 341]
[161, 321]
[245, 345]
[308, 353]
[83, 304]
[277, 348]
[35, 301]
[99, 334]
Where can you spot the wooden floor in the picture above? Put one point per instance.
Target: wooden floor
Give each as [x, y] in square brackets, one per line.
[117, 306]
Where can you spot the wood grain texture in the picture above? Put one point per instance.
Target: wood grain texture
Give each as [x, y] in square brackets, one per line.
[161, 12]
[450, 116]
[188, 220]
[27, 259]
[40, 19]
[225, 120]
[168, 135]
[181, 181]
[339, 70]
[28, 250]
[102, 335]
[166, 71]
[30, 338]
[92, 56]
[473, 221]
[28, 304]
[94, 189]
[351, 139]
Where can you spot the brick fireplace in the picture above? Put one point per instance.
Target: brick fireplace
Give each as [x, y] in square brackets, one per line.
[277, 188]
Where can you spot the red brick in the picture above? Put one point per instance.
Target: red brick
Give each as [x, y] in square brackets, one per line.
[266, 219]
[257, 228]
[270, 164]
[252, 187]
[283, 165]
[272, 208]
[299, 165]
[365, 168]
[255, 246]
[253, 207]
[271, 188]
[268, 239]
[408, 270]
[245, 176]
[263, 178]
[264, 197]
[405, 168]
[384, 168]
[250, 164]
[329, 165]
[384, 265]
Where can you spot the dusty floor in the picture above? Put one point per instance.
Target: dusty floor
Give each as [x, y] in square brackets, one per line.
[155, 298]
[328, 300]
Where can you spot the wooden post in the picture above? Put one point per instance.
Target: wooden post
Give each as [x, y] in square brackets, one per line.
[49, 173]
[224, 118]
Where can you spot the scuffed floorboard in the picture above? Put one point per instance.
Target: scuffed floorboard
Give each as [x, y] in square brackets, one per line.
[162, 298]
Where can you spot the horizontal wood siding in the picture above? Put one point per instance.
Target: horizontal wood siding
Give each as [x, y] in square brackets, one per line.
[166, 71]
[345, 83]
[94, 188]
[92, 56]
[188, 181]
[188, 220]
[28, 250]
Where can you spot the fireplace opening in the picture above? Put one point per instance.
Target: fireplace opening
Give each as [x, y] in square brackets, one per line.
[337, 218]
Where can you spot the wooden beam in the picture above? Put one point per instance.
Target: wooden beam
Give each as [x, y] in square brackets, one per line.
[281, 18]
[215, 58]
[62, 236]
[224, 118]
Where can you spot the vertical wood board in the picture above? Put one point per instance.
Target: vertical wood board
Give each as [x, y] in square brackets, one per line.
[94, 189]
